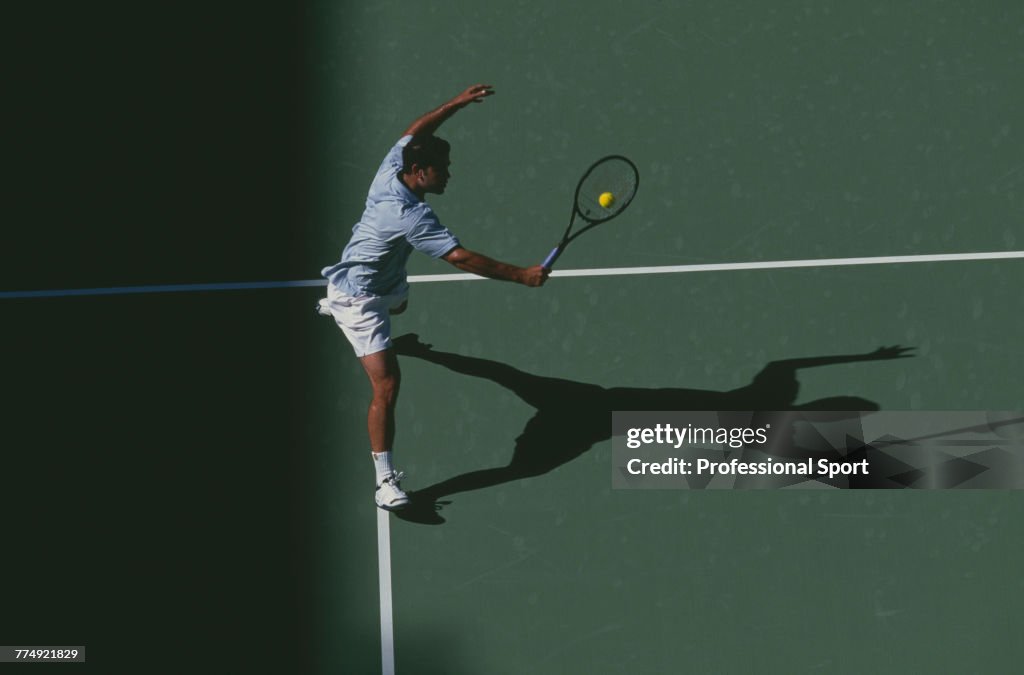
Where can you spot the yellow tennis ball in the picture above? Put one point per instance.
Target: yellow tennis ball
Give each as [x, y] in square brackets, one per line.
[606, 199]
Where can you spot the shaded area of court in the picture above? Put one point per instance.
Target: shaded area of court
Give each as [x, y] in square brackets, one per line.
[154, 482]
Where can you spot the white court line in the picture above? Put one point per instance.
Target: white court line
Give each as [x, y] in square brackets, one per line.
[387, 631]
[729, 267]
[598, 272]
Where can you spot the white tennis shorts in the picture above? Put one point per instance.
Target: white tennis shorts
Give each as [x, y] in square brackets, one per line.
[365, 320]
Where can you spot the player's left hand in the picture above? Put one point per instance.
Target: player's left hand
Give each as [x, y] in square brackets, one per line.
[475, 94]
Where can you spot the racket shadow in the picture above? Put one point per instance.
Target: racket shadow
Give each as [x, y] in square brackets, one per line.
[571, 417]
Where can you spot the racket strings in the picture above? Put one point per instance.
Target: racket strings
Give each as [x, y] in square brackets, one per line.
[614, 175]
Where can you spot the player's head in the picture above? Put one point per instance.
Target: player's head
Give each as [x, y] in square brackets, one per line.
[425, 161]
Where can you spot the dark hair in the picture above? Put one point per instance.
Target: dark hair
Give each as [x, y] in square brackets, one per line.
[425, 150]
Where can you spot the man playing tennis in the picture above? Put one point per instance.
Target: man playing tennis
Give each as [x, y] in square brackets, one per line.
[369, 283]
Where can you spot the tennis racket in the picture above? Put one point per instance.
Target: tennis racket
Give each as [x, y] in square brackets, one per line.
[604, 191]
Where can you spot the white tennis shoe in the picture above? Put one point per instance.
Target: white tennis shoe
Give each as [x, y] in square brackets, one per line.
[389, 494]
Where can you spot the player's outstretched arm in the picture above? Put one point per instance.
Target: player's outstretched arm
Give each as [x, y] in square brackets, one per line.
[479, 264]
[428, 123]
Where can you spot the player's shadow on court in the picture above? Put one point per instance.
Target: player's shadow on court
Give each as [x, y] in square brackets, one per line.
[572, 416]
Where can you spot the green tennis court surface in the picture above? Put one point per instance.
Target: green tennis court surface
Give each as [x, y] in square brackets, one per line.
[186, 480]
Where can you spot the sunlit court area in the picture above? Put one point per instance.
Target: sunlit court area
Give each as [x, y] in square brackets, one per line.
[829, 216]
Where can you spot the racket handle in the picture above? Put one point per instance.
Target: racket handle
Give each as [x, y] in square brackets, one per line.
[552, 257]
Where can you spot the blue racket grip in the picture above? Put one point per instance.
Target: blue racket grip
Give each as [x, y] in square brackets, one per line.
[552, 257]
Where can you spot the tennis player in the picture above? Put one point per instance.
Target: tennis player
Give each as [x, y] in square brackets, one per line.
[369, 283]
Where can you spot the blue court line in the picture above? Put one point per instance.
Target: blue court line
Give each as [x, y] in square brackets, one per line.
[170, 288]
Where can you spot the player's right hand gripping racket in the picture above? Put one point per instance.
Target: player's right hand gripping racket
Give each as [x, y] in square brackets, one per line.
[613, 176]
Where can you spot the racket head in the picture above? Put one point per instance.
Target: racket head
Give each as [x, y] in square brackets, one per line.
[615, 174]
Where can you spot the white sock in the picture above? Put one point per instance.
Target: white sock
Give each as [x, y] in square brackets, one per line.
[382, 464]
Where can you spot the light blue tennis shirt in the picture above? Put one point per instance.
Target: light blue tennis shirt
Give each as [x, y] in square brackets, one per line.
[394, 223]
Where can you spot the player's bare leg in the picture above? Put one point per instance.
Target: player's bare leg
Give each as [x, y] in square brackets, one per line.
[385, 379]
